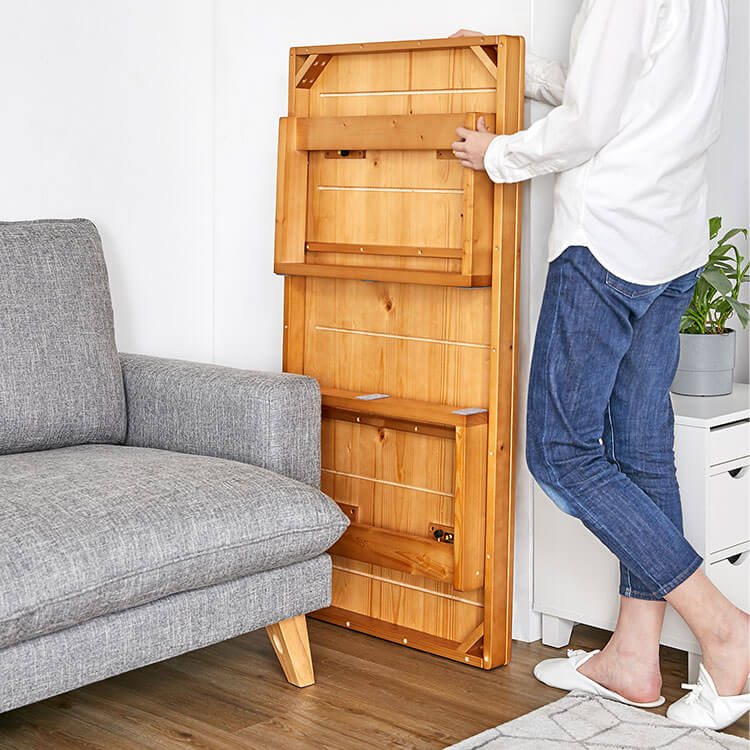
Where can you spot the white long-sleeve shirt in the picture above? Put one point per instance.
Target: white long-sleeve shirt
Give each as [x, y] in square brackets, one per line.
[639, 105]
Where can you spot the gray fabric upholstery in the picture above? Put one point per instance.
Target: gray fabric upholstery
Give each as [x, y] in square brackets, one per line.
[267, 419]
[112, 644]
[90, 530]
[60, 379]
[207, 524]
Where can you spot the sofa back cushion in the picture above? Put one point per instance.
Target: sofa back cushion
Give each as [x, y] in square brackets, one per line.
[60, 378]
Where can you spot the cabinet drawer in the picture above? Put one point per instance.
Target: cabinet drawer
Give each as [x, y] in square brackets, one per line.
[732, 577]
[728, 509]
[727, 442]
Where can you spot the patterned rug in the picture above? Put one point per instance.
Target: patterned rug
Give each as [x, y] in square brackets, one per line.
[580, 720]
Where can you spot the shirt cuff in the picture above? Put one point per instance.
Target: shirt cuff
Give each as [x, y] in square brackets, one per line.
[493, 159]
[499, 158]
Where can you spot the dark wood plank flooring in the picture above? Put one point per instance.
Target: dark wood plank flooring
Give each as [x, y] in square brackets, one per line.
[369, 694]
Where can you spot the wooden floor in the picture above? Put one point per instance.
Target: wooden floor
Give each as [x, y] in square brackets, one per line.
[369, 694]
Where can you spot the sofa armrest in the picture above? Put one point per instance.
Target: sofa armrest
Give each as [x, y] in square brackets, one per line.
[267, 419]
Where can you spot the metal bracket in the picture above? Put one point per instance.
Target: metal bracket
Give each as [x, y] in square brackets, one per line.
[441, 533]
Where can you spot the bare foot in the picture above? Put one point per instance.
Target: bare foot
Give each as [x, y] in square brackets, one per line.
[625, 674]
[726, 655]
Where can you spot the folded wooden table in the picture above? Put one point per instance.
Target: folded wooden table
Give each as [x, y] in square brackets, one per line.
[401, 298]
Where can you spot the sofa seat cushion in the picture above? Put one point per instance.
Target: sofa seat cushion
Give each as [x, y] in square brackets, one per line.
[95, 529]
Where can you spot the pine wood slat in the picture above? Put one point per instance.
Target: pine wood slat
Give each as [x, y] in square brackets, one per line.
[503, 371]
[417, 411]
[410, 554]
[331, 413]
[470, 506]
[398, 634]
[382, 132]
[293, 352]
[370, 273]
[357, 249]
[291, 197]
[396, 46]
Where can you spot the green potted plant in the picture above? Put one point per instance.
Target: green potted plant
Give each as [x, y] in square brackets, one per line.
[707, 346]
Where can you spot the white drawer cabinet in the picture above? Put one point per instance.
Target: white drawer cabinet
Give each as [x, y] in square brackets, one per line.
[727, 512]
[576, 578]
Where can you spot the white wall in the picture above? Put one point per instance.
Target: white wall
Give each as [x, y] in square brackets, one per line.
[158, 118]
[107, 112]
[728, 168]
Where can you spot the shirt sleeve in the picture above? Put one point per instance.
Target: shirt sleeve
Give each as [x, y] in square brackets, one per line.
[612, 50]
[545, 79]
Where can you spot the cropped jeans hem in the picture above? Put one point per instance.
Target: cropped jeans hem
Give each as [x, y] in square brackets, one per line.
[677, 580]
[658, 596]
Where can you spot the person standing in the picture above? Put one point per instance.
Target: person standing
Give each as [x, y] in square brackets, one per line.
[636, 109]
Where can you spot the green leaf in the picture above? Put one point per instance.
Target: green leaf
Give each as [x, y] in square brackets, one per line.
[717, 280]
[741, 309]
[732, 233]
[714, 226]
[721, 251]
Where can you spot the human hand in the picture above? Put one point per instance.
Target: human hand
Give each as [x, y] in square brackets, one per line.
[466, 32]
[471, 150]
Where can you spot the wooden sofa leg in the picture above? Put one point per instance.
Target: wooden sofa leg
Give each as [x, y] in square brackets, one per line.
[292, 646]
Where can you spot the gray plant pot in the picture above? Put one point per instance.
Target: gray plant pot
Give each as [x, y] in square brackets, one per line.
[706, 366]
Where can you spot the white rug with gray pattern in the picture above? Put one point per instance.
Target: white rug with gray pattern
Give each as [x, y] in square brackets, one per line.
[581, 720]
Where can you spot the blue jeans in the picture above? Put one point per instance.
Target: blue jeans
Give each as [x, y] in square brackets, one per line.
[600, 426]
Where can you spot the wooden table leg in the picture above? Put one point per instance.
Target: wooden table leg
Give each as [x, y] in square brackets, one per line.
[292, 645]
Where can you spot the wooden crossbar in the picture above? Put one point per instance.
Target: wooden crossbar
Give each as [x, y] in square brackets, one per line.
[383, 132]
[401, 408]
[396, 46]
[398, 634]
[389, 549]
[395, 250]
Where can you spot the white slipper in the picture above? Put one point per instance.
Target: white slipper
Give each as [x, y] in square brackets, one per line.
[564, 674]
[704, 707]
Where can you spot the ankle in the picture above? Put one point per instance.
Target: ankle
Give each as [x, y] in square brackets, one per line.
[727, 630]
[644, 660]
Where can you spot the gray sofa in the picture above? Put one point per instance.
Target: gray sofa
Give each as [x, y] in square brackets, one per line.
[147, 506]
